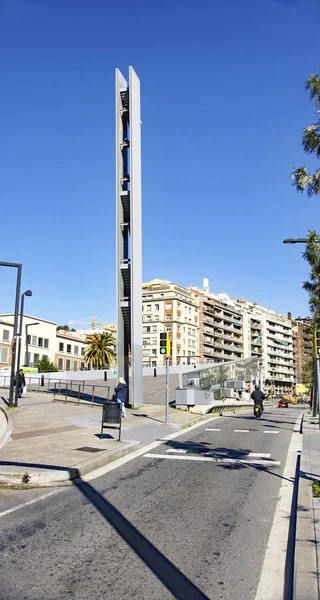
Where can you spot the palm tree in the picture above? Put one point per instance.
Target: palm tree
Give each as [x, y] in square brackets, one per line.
[100, 351]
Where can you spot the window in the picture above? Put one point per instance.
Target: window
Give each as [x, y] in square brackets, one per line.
[61, 347]
[40, 342]
[76, 350]
[168, 329]
[4, 355]
[83, 351]
[28, 339]
[82, 364]
[75, 365]
[27, 358]
[45, 356]
[154, 328]
[154, 351]
[68, 363]
[5, 335]
[178, 328]
[168, 305]
[60, 364]
[69, 348]
[34, 340]
[169, 317]
[148, 329]
[46, 343]
[156, 317]
[157, 307]
[153, 340]
[36, 358]
[148, 318]
[148, 307]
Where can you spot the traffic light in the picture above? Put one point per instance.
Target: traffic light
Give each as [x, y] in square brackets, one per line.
[317, 342]
[165, 345]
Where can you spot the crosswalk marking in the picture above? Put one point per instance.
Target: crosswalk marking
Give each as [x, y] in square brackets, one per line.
[211, 429]
[267, 431]
[177, 450]
[243, 461]
[217, 453]
[241, 430]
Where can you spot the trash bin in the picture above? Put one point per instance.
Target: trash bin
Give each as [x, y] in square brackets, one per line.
[111, 416]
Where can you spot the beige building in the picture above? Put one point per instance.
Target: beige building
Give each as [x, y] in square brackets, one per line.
[6, 334]
[168, 307]
[69, 355]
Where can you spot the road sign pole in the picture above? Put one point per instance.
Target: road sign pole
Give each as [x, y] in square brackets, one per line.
[167, 389]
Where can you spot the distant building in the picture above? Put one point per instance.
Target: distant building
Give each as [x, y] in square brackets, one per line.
[69, 352]
[302, 345]
[169, 307]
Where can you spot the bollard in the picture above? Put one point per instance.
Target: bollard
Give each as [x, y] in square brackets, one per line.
[105, 376]
[42, 380]
[154, 372]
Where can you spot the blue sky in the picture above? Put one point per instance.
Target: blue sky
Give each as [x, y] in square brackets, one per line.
[223, 107]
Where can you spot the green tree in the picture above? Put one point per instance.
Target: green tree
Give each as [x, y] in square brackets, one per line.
[307, 373]
[45, 366]
[312, 256]
[311, 144]
[65, 328]
[100, 350]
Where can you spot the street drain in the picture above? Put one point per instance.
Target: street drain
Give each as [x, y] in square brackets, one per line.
[88, 449]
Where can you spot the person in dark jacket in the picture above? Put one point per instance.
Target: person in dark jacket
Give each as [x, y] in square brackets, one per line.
[258, 396]
[21, 383]
[121, 394]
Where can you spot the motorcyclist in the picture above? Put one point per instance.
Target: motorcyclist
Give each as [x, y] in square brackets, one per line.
[258, 397]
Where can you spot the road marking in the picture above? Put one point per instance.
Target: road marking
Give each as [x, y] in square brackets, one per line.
[177, 450]
[243, 461]
[217, 453]
[272, 579]
[28, 503]
[259, 455]
[211, 429]
[267, 431]
[241, 430]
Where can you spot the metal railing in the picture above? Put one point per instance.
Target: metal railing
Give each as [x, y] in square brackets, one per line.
[65, 391]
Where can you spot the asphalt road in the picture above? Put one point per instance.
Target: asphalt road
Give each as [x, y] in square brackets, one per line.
[196, 527]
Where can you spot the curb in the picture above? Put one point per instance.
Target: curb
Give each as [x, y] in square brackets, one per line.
[5, 436]
[62, 476]
[305, 563]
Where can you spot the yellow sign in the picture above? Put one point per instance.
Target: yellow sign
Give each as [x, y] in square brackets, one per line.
[29, 370]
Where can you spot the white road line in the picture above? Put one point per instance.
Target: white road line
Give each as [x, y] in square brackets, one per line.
[241, 430]
[217, 453]
[259, 455]
[177, 450]
[267, 431]
[243, 461]
[273, 571]
[211, 429]
[24, 504]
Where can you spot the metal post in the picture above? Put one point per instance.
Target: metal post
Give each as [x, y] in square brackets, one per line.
[15, 332]
[19, 339]
[315, 388]
[167, 389]
[27, 348]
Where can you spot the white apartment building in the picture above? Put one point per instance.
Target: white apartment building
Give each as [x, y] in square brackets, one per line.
[168, 307]
[38, 338]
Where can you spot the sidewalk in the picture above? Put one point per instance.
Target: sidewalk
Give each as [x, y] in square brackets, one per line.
[54, 442]
[307, 550]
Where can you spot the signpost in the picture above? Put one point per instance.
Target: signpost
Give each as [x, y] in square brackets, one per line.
[165, 349]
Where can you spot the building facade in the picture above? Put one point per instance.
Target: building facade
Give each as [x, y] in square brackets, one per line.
[6, 335]
[171, 308]
[69, 352]
[302, 345]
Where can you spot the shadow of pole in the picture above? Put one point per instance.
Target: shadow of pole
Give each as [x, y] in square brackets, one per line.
[175, 581]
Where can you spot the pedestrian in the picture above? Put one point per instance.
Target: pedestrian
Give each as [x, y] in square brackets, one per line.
[21, 383]
[121, 394]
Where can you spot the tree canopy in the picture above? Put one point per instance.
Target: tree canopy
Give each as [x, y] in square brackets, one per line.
[45, 366]
[65, 328]
[303, 180]
[100, 350]
[312, 286]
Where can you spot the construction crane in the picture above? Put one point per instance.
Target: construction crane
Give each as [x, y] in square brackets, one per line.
[89, 320]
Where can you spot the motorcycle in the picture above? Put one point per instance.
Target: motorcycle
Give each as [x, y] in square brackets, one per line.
[257, 411]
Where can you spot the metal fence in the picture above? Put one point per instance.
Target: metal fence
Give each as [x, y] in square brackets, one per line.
[75, 391]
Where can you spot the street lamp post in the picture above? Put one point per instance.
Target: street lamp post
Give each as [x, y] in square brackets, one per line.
[27, 349]
[26, 293]
[17, 266]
